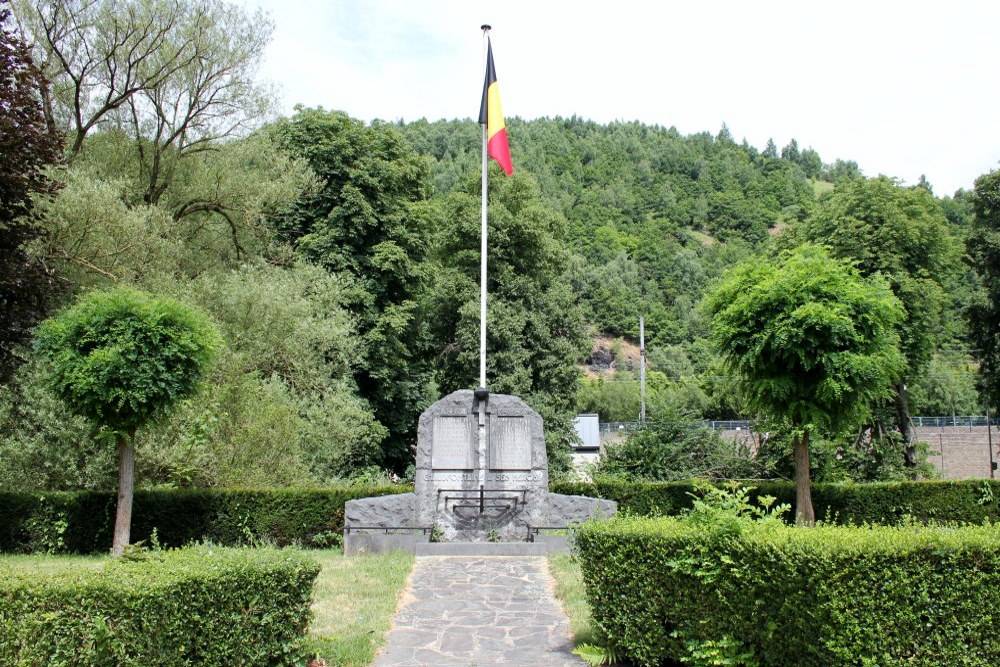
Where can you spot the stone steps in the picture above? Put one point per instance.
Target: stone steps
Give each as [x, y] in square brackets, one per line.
[540, 548]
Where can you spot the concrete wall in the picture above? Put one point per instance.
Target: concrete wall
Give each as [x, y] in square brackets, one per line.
[960, 452]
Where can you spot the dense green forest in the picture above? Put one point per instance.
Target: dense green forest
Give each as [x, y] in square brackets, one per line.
[340, 259]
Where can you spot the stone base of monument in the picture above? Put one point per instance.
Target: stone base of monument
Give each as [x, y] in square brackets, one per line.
[388, 523]
[482, 477]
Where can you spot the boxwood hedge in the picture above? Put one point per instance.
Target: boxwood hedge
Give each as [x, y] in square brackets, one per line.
[665, 590]
[83, 522]
[207, 606]
[965, 501]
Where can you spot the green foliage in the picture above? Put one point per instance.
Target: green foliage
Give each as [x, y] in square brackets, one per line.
[204, 605]
[42, 444]
[867, 454]
[99, 227]
[368, 219]
[81, 522]
[903, 235]
[119, 358]
[671, 450]
[769, 594]
[596, 655]
[809, 340]
[984, 313]
[840, 503]
[947, 387]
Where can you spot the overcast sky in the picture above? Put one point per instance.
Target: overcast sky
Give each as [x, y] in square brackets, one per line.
[903, 88]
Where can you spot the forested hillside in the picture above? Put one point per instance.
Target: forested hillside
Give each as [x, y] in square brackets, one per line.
[340, 259]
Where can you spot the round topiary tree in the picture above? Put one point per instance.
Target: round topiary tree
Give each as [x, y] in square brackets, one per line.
[121, 358]
[809, 341]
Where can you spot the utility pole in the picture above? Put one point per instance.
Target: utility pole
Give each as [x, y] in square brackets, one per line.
[642, 368]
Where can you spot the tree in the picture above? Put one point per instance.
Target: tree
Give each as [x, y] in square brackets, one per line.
[369, 219]
[810, 342]
[121, 359]
[902, 234]
[770, 150]
[178, 75]
[27, 145]
[984, 313]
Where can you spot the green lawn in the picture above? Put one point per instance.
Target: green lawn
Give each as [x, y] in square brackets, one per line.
[44, 564]
[355, 599]
[570, 591]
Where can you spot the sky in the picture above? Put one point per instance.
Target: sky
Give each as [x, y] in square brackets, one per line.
[903, 88]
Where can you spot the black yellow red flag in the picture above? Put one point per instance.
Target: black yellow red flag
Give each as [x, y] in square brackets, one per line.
[491, 115]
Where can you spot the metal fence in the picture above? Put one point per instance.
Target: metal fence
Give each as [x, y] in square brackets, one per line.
[744, 424]
[954, 421]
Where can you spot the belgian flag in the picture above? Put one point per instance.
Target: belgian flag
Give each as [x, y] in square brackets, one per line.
[491, 116]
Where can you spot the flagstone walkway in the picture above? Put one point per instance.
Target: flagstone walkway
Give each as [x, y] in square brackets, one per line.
[474, 611]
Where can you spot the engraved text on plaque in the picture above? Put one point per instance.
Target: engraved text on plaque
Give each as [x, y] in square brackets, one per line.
[452, 446]
[510, 444]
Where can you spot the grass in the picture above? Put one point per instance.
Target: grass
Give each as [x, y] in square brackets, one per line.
[570, 591]
[821, 187]
[354, 602]
[45, 564]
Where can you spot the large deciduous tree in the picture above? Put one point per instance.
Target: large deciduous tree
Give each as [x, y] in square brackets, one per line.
[120, 359]
[810, 341]
[27, 145]
[369, 220]
[175, 75]
[984, 313]
[902, 234]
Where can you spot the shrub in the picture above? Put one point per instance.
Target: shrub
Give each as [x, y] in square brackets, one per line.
[81, 522]
[742, 592]
[203, 605]
[965, 501]
[670, 450]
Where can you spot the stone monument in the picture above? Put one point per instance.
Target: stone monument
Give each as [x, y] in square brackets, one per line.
[481, 475]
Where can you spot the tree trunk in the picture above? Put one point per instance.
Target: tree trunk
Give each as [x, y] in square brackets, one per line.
[126, 482]
[905, 424]
[804, 514]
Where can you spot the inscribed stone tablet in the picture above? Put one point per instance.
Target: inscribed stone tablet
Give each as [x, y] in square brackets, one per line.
[451, 446]
[510, 444]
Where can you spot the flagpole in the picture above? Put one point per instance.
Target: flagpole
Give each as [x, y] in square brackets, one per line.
[482, 261]
[481, 392]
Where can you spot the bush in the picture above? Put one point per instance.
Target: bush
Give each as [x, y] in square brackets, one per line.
[670, 450]
[203, 605]
[82, 522]
[966, 501]
[747, 593]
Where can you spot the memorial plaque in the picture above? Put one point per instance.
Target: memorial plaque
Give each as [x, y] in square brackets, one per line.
[510, 444]
[451, 444]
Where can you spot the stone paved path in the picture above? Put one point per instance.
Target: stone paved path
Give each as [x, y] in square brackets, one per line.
[475, 611]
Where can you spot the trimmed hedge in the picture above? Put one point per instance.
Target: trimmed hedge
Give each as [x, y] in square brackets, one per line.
[210, 606]
[83, 522]
[966, 501]
[666, 590]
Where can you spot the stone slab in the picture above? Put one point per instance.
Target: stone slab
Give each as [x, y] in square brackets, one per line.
[363, 542]
[396, 511]
[482, 549]
[564, 511]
